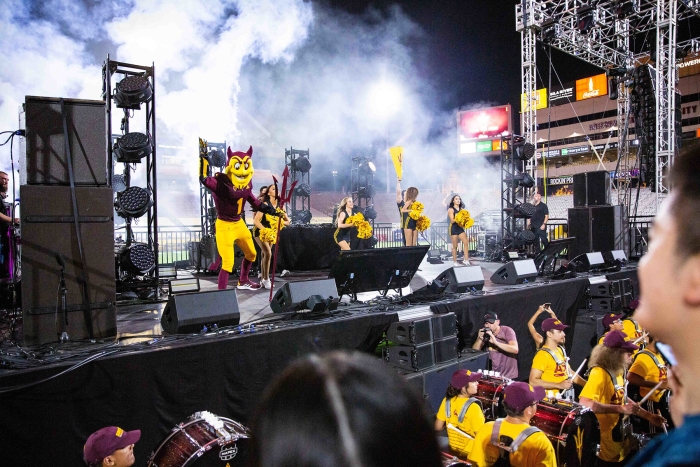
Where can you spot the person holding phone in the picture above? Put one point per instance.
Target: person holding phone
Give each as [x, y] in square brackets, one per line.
[536, 336]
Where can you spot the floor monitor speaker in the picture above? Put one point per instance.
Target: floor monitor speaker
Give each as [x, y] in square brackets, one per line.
[515, 272]
[292, 294]
[192, 312]
[463, 279]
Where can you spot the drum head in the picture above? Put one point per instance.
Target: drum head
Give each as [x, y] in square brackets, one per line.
[583, 437]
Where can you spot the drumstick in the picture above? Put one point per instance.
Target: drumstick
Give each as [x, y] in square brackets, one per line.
[580, 367]
[658, 412]
[640, 338]
[651, 392]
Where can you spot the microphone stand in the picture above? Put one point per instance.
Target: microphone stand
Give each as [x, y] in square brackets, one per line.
[64, 308]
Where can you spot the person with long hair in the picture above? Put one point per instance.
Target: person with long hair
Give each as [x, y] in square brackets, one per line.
[605, 394]
[343, 410]
[461, 412]
[260, 220]
[342, 232]
[407, 223]
[457, 233]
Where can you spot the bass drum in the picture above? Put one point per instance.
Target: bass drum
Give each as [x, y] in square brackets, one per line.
[572, 429]
[204, 440]
[490, 393]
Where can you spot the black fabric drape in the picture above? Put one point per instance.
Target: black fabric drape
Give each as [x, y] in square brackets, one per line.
[515, 307]
[155, 390]
[307, 248]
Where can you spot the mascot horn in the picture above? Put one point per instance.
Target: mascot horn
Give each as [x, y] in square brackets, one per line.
[230, 190]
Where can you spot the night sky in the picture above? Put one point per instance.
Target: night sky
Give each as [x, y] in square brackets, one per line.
[472, 51]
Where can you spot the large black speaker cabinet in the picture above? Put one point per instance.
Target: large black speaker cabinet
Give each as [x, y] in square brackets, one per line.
[435, 381]
[598, 228]
[191, 312]
[48, 228]
[414, 332]
[45, 162]
[515, 272]
[292, 294]
[585, 330]
[592, 188]
[462, 279]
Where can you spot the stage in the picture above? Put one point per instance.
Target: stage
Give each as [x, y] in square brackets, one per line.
[153, 382]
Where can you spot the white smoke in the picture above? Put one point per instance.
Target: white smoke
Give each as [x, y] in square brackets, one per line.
[301, 71]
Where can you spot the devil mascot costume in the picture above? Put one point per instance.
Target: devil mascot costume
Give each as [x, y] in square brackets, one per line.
[230, 190]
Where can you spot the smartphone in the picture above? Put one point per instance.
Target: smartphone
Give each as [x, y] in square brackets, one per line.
[666, 352]
[547, 305]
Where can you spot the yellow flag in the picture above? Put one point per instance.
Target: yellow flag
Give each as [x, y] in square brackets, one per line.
[397, 157]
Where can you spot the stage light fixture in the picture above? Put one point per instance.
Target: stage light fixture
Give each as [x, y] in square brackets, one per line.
[370, 213]
[303, 217]
[619, 71]
[301, 164]
[625, 8]
[133, 202]
[217, 158]
[525, 210]
[133, 91]
[118, 183]
[551, 30]
[367, 168]
[586, 19]
[132, 147]
[137, 258]
[527, 237]
[522, 149]
[366, 191]
[303, 189]
[523, 179]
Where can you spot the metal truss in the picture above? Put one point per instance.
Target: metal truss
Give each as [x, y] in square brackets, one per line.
[666, 78]
[604, 41]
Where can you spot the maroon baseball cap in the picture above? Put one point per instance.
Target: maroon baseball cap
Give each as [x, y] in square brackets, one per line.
[461, 378]
[553, 323]
[490, 317]
[611, 318]
[520, 395]
[618, 339]
[105, 441]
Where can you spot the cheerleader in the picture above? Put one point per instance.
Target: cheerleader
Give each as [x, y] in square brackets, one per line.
[342, 233]
[260, 220]
[407, 223]
[457, 233]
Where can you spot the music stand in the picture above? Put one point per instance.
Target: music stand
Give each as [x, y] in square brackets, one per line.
[381, 269]
[546, 260]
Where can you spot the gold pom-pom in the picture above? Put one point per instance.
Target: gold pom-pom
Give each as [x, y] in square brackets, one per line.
[464, 219]
[268, 235]
[416, 210]
[364, 230]
[276, 221]
[422, 223]
[355, 219]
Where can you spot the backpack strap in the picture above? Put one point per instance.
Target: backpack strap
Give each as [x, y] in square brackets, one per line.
[465, 407]
[520, 439]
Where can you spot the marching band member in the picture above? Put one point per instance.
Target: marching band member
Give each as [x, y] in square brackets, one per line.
[512, 437]
[461, 412]
[612, 322]
[550, 367]
[605, 394]
[648, 369]
[536, 336]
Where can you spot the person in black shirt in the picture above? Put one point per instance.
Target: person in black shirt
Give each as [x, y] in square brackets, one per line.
[538, 221]
[342, 232]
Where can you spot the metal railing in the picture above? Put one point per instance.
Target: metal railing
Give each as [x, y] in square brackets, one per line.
[174, 241]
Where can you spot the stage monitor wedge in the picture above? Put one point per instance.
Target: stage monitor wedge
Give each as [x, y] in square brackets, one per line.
[292, 294]
[589, 261]
[356, 271]
[191, 312]
[515, 272]
[462, 279]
